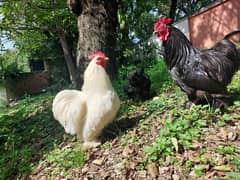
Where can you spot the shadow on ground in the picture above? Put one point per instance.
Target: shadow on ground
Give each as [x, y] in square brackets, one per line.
[124, 123]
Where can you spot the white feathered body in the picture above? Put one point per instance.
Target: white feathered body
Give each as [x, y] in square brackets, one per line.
[69, 108]
[88, 111]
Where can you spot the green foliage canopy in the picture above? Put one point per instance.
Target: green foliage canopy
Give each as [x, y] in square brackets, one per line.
[30, 22]
[33, 25]
[12, 62]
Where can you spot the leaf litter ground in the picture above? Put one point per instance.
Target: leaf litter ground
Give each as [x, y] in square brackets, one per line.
[212, 153]
[156, 139]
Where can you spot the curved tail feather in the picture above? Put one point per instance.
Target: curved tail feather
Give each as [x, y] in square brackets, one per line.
[231, 34]
[69, 108]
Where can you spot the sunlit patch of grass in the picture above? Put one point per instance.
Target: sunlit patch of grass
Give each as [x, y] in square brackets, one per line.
[235, 84]
[29, 136]
[180, 128]
[27, 132]
[159, 76]
[66, 158]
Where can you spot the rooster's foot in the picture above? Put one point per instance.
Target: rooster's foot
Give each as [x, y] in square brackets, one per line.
[189, 104]
[218, 103]
[90, 144]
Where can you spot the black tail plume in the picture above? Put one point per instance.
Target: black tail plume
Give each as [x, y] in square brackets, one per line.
[231, 34]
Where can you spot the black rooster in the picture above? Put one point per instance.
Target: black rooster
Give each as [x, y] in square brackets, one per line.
[138, 86]
[202, 74]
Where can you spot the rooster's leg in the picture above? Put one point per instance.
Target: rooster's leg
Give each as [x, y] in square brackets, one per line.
[90, 144]
[219, 103]
[90, 134]
[189, 104]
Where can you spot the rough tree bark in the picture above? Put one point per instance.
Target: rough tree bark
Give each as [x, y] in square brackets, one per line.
[97, 23]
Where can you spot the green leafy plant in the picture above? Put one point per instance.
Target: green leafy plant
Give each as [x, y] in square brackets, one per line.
[227, 149]
[71, 157]
[25, 135]
[159, 75]
[180, 128]
[11, 62]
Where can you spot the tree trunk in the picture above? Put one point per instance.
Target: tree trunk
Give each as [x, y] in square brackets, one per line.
[97, 22]
[68, 56]
[173, 8]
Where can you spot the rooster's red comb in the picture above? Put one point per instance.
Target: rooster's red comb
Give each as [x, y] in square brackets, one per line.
[162, 22]
[97, 53]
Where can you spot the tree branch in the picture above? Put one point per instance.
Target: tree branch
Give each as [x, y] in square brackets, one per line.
[172, 11]
[75, 6]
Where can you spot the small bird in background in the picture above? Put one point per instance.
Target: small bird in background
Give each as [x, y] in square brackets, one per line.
[88, 111]
[138, 86]
[202, 74]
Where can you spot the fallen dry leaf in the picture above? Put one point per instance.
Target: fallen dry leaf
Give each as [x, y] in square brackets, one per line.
[196, 144]
[192, 156]
[226, 168]
[222, 134]
[152, 169]
[115, 141]
[210, 175]
[43, 178]
[232, 136]
[127, 151]
[142, 174]
[220, 160]
[99, 162]
[84, 170]
[175, 177]
[175, 143]
[132, 164]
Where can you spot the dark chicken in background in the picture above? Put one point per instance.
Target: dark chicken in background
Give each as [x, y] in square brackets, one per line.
[138, 86]
[202, 74]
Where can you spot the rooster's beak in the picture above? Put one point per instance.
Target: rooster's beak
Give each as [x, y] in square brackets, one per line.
[106, 59]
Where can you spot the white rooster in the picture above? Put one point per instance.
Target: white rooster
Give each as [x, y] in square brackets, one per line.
[87, 112]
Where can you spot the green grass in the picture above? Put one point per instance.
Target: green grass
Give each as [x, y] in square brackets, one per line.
[30, 137]
[159, 76]
[28, 131]
[64, 159]
[180, 128]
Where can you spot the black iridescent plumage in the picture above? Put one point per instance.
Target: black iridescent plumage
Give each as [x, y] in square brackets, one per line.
[202, 74]
[138, 86]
